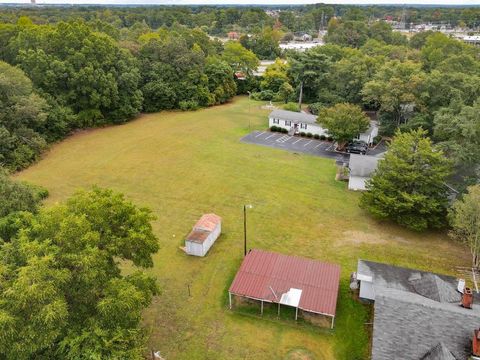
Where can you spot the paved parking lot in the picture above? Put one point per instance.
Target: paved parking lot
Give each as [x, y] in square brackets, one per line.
[294, 144]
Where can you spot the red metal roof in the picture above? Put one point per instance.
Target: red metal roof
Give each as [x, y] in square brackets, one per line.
[208, 222]
[261, 270]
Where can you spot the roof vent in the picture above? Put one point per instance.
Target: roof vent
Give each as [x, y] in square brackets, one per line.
[467, 298]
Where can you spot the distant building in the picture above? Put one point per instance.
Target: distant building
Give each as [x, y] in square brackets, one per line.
[361, 169]
[300, 46]
[233, 35]
[472, 40]
[418, 315]
[203, 235]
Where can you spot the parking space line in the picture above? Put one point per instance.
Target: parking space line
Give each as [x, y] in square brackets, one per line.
[268, 137]
[263, 132]
[308, 143]
[283, 139]
[318, 145]
[297, 141]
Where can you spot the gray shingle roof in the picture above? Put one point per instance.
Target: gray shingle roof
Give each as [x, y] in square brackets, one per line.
[415, 311]
[294, 116]
[363, 165]
[439, 352]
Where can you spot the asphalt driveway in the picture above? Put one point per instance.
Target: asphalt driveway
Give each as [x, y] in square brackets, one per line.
[295, 144]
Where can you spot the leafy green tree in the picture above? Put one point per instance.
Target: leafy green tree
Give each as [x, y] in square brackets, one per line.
[239, 58]
[350, 33]
[17, 196]
[220, 79]
[275, 76]
[465, 222]
[344, 122]
[457, 130]
[264, 44]
[63, 295]
[285, 92]
[438, 47]
[309, 72]
[22, 114]
[408, 186]
[395, 87]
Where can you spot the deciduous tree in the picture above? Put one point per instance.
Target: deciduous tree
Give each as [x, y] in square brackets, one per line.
[408, 186]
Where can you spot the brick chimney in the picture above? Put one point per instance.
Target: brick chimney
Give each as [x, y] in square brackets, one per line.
[476, 343]
[467, 298]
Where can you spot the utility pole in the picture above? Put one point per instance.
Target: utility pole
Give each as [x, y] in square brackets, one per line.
[245, 228]
[301, 96]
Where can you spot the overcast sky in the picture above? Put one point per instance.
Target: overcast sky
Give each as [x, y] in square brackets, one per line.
[273, 2]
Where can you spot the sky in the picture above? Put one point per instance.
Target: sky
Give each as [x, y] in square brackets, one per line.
[244, 2]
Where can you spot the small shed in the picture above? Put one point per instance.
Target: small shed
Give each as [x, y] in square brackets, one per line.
[205, 232]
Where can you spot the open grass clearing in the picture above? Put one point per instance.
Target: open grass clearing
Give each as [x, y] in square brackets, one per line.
[182, 165]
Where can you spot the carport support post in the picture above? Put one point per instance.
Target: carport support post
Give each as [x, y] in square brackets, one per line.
[333, 321]
[261, 307]
[296, 314]
[278, 314]
[230, 299]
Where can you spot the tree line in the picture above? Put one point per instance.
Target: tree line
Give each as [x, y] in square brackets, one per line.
[58, 78]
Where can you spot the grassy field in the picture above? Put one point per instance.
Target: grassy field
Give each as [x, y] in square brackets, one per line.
[182, 165]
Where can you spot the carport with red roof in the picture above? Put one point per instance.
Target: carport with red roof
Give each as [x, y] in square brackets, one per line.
[308, 285]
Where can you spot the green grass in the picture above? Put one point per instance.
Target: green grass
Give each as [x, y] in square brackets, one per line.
[182, 165]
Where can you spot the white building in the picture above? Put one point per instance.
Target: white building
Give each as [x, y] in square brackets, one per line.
[361, 169]
[296, 122]
[299, 46]
[203, 235]
[369, 135]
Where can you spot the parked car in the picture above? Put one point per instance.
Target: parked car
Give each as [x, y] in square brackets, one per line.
[357, 147]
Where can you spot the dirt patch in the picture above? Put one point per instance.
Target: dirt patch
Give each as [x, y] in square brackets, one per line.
[360, 237]
[300, 354]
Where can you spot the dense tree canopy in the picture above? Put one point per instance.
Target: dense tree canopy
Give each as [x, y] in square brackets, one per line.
[62, 293]
[409, 185]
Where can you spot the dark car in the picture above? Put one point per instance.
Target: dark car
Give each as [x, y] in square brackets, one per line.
[357, 147]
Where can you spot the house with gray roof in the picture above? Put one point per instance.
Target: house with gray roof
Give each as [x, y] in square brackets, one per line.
[361, 169]
[297, 122]
[417, 314]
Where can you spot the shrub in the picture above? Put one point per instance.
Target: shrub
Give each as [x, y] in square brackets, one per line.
[315, 108]
[302, 134]
[329, 138]
[186, 105]
[316, 136]
[265, 95]
[283, 130]
[322, 137]
[274, 128]
[377, 139]
[309, 135]
[291, 107]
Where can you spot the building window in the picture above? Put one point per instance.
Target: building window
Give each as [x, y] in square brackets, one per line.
[276, 121]
[303, 126]
[288, 123]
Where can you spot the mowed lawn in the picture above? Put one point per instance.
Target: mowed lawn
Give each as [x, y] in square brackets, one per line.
[184, 164]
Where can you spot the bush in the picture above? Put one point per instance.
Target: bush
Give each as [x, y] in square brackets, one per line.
[377, 139]
[329, 138]
[316, 136]
[283, 130]
[302, 134]
[323, 137]
[291, 107]
[186, 105]
[265, 95]
[315, 108]
[309, 135]
[274, 128]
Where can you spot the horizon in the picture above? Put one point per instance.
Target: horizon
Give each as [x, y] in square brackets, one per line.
[248, 2]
